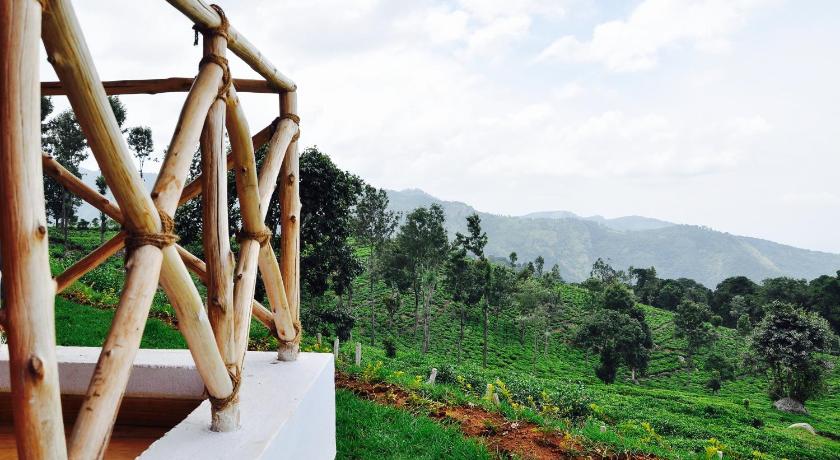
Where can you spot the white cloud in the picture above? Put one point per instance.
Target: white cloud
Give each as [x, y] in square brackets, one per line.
[634, 44]
[811, 199]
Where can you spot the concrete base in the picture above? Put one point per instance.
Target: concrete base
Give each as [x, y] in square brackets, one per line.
[287, 408]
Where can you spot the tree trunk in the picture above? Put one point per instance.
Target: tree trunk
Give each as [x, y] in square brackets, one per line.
[463, 312]
[102, 221]
[64, 218]
[416, 303]
[484, 347]
[427, 311]
[536, 351]
[370, 300]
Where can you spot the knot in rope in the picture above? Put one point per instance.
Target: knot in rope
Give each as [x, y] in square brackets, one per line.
[223, 63]
[220, 404]
[166, 236]
[262, 236]
[291, 116]
[221, 30]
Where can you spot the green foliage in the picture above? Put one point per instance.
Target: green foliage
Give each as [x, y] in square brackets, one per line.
[786, 345]
[744, 325]
[692, 323]
[140, 142]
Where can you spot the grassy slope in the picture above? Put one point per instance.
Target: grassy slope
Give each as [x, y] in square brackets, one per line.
[393, 433]
[672, 399]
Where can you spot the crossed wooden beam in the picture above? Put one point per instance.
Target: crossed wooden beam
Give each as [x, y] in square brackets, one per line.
[217, 334]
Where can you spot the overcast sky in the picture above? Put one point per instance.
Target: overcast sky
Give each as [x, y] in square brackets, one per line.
[723, 113]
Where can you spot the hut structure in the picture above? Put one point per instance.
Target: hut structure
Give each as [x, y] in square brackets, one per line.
[216, 328]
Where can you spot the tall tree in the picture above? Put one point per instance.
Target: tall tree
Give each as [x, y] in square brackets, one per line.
[693, 322]
[140, 142]
[65, 141]
[328, 195]
[374, 224]
[423, 238]
[475, 241]
[462, 282]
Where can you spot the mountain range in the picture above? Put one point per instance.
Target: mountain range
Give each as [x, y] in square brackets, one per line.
[574, 242]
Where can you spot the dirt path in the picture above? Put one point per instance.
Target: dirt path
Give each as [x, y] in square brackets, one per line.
[524, 439]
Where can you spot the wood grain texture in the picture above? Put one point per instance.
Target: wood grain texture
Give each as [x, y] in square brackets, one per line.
[28, 289]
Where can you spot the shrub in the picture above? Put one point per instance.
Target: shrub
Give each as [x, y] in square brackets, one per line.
[717, 362]
[390, 347]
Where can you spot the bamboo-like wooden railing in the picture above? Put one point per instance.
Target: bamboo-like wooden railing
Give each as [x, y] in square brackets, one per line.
[216, 328]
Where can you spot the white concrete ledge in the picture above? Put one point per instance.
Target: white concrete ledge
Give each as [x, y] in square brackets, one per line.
[287, 409]
[166, 374]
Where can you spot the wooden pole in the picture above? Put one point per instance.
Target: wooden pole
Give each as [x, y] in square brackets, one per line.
[72, 61]
[158, 86]
[216, 241]
[245, 168]
[197, 266]
[269, 267]
[28, 291]
[290, 207]
[90, 262]
[193, 189]
[76, 186]
[101, 203]
[70, 57]
[204, 16]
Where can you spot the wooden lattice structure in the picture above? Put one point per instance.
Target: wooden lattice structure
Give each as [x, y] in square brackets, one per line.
[216, 330]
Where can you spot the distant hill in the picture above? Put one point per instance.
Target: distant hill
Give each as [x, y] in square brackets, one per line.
[575, 242]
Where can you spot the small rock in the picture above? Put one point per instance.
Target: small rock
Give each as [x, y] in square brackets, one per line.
[514, 425]
[682, 359]
[603, 428]
[790, 405]
[804, 426]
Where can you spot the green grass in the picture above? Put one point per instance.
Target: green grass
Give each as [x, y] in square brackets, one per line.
[84, 326]
[366, 430]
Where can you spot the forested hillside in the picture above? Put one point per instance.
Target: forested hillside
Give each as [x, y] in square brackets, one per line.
[677, 251]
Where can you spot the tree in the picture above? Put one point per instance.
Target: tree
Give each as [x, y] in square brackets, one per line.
[327, 196]
[102, 188]
[512, 258]
[539, 264]
[140, 142]
[65, 141]
[617, 338]
[619, 298]
[461, 281]
[744, 325]
[374, 224]
[604, 272]
[475, 241]
[824, 298]
[693, 322]
[785, 346]
[646, 285]
[423, 239]
[726, 290]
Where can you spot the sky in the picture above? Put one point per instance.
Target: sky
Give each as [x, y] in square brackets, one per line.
[723, 113]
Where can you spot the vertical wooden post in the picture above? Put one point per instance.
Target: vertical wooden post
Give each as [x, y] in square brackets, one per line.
[336, 347]
[290, 229]
[216, 241]
[28, 291]
[358, 353]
